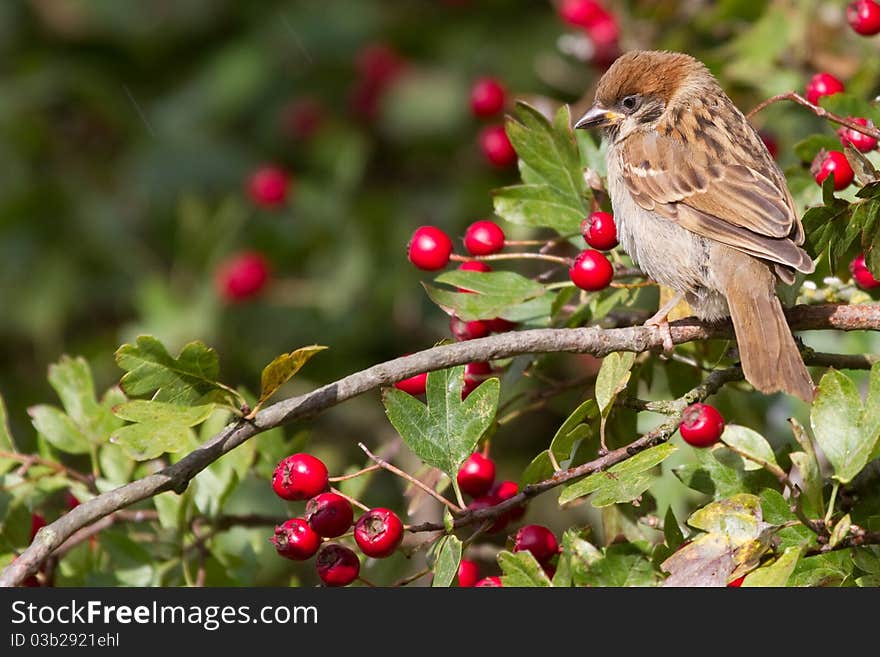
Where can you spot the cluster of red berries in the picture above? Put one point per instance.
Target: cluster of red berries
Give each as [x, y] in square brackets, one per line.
[476, 478]
[599, 25]
[378, 532]
[488, 98]
[591, 270]
[537, 539]
[834, 163]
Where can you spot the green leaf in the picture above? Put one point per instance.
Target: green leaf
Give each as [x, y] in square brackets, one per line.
[6, 442]
[496, 293]
[142, 410]
[866, 558]
[148, 440]
[189, 379]
[71, 379]
[592, 150]
[539, 206]
[809, 148]
[844, 429]
[623, 482]
[829, 569]
[577, 555]
[776, 511]
[540, 468]
[748, 443]
[446, 562]
[59, 429]
[444, 432]
[739, 518]
[612, 379]
[807, 464]
[282, 368]
[840, 531]
[777, 573]
[521, 569]
[622, 564]
[671, 531]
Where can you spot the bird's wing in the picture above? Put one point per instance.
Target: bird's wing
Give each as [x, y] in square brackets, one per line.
[719, 192]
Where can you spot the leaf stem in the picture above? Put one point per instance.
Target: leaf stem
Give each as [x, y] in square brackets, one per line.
[385, 465]
[831, 502]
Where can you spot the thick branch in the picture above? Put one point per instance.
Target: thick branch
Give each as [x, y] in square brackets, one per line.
[592, 340]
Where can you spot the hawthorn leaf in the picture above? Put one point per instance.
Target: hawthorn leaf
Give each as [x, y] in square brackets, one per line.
[846, 431]
[59, 429]
[281, 370]
[447, 560]
[521, 569]
[621, 564]
[148, 440]
[189, 379]
[143, 410]
[777, 573]
[623, 482]
[445, 431]
[748, 442]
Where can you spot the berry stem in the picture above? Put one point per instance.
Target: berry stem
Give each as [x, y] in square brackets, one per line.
[353, 475]
[831, 502]
[818, 111]
[351, 500]
[520, 255]
[385, 465]
[411, 578]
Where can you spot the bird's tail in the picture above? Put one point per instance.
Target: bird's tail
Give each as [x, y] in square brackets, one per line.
[770, 357]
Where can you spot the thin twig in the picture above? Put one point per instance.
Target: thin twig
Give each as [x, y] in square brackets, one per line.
[524, 255]
[27, 460]
[415, 482]
[369, 468]
[351, 500]
[818, 111]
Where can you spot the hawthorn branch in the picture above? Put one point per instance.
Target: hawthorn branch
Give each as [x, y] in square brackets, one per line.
[821, 112]
[592, 340]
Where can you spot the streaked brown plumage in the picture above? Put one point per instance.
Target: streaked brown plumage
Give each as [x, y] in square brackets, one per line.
[701, 206]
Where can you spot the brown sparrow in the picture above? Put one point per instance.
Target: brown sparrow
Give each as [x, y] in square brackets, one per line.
[702, 207]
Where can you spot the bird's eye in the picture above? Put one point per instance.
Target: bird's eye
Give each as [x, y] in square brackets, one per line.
[630, 103]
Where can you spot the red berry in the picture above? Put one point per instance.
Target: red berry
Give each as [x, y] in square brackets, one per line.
[268, 186]
[581, 13]
[474, 374]
[302, 118]
[823, 84]
[861, 274]
[468, 330]
[329, 514]
[70, 501]
[738, 582]
[496, 146]
[600, 231]
[591, 271]
[500, 492]
[468, 573]
[37, 523]
[864, 17]
[500, 325]
[856, 139]
[770, 142]
[484, 237]
[379, 63]
[474, 265]
[494, 581]
[299, 477]
[242, 276]
[538, 540]
[414, 385]
[378, 532]
[487, 97]
[337, 565]
[833, 163]
[296, 540]
[429, 248]
[476, 475]
[701, 425]
[604, 31]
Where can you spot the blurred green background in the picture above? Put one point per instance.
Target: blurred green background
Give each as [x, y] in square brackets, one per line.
[128, 130]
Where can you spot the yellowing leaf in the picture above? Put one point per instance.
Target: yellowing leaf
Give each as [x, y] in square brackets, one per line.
[282, 369]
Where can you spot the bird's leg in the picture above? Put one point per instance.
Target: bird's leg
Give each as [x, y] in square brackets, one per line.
[660, 321]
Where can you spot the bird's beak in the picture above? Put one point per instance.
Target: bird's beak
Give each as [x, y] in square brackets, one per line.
[598, 117]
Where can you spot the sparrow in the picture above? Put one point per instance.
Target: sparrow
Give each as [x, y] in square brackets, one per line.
[701, 207]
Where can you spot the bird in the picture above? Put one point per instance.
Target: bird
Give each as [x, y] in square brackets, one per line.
[702, 208]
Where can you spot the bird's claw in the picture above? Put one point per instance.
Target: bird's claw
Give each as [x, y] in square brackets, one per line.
[662, 324]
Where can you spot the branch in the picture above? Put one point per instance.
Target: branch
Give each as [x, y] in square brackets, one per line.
[591, 340]
[818, 111]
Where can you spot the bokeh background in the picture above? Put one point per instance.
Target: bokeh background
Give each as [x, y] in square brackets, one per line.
[129, 131]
